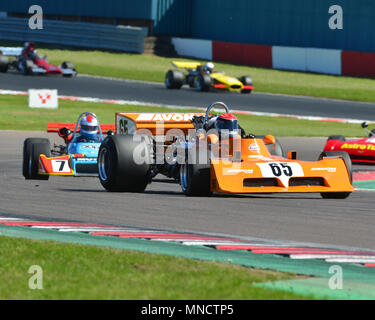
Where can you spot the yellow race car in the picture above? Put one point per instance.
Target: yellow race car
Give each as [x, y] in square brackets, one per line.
[204, 78]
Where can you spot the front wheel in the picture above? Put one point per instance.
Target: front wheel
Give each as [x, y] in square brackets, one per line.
[348, 163]
[246, 81]
[32, 149]
[195, 177]
[4, 64]
[124, 163]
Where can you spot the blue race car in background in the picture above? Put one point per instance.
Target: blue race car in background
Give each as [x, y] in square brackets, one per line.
[78, 157]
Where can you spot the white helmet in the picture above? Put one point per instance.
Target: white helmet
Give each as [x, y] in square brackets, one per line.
[89, 126]
[209, 67]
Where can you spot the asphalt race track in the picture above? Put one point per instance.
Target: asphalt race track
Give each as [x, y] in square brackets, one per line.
[302, 218]
[85, 86]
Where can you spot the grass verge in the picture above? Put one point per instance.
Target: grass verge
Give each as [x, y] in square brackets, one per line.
[154, 68]
[89, 272]
[15, 115]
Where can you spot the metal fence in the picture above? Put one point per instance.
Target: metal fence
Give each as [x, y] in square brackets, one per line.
[90, 35]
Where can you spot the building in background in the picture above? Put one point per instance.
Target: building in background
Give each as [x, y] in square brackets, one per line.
[238, 27]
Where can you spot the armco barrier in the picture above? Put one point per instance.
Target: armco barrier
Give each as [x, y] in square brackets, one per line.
[361, 64]
[328, 61]
[90, 35]
[247, 54]
[193, 48]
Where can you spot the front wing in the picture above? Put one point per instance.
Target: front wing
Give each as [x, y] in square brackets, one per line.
[280, 176]
[67, 165]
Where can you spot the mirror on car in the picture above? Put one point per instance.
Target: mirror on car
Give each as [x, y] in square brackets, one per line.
[269, 139]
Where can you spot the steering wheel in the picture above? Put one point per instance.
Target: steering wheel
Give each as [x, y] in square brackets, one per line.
[221, 104]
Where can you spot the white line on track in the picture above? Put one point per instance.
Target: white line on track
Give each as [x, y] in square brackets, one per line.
[329, 256]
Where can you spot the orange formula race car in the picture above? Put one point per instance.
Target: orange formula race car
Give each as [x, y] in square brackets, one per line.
[210, 153]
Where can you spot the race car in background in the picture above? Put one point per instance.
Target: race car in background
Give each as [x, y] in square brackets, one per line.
[205, 78]
[27, 61]
[186, 149]
[360, 150]
[77, 157]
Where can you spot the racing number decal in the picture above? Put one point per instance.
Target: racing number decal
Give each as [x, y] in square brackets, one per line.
[60, 166]
[281, 170]
[123, 126]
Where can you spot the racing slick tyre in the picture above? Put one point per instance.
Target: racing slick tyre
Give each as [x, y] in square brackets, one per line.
[4, 64]
[174, 79]
[204, 82]
[36, 148]
[246, 80]
[124, 163]
[340, 138]
[348, 163]
[27, 149]
[278, 151]
[195, 178]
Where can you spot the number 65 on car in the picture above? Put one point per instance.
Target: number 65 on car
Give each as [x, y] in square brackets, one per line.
[255, 164]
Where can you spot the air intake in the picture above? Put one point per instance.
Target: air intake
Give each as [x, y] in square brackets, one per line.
[302, 181]
[260, 182]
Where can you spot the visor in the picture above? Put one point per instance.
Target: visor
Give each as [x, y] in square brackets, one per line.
[89, 128]
[230, 125]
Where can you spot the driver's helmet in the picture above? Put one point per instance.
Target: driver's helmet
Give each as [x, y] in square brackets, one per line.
[209, 67]
[226, 124]
[29, 46]
[89, 126]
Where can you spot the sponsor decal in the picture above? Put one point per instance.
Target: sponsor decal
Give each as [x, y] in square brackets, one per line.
[254, 147]
[90, 146]
[324, 169]
[86, 159]
[166, 117]
[355, 146]
[231, 171]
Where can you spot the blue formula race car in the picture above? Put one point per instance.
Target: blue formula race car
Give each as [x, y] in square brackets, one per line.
[77, 157]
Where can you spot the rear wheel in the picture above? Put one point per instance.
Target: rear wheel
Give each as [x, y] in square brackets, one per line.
[68, 65]
[348, 163]
[246, 80]
[174, 79]
[124, 163]
[4, 63]
[204, 82]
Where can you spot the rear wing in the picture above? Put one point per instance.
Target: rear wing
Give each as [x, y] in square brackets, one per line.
[56, 126]
[8, 51]
[185, 64]
[157, 123]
